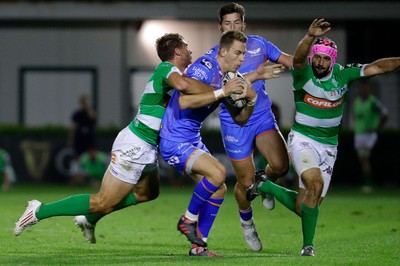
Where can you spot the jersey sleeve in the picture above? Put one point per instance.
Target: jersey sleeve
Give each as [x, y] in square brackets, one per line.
[301, 76]
[352, 72]
[165, 69]
[213, 51]
[272, 51]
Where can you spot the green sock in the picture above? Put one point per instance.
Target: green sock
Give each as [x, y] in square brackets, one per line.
[71, 206]
[285, 196]
[309, 217]
[129, 200]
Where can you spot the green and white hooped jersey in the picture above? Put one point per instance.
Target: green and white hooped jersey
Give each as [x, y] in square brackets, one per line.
[320, 102]
[146, 124]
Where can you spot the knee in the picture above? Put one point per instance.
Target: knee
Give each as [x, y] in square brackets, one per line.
[315, 185]
[319, 185]
[280, 169]
[218, 175]
[244, 181]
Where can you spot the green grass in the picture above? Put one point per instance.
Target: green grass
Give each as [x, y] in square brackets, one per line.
[353, 229]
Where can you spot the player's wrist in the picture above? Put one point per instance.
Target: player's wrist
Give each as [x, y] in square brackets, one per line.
[251, 102]
[219, 94]
[310, 35]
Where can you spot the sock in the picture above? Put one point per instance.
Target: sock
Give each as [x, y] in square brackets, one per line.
[247, 214]
[71, 206]
[309, 217]
[129, 200]
[208, 213]
[285, 196]
[202, 192]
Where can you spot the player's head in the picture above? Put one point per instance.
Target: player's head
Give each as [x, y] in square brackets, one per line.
[323, 56]
[232, 47]
[231, 17]
[171, 45]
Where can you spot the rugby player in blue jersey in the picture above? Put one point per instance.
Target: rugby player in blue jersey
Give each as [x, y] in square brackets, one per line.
[181, 145]
[261, 130]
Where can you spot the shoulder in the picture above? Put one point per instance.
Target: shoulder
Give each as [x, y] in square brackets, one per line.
[213, 51]
[256, 38]
[349, 72]
[259, 41]
[165, 69]
[202, 67]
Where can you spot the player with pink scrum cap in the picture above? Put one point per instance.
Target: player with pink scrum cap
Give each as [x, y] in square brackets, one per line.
[320, 87]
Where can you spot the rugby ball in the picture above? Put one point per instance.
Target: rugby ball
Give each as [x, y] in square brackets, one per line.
[232, 98]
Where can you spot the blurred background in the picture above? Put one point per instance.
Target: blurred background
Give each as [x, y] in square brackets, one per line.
[53, 52]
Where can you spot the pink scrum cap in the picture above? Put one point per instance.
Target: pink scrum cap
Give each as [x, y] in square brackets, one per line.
[325, 46]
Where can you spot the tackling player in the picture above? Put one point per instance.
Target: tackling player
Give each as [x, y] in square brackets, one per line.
[132, 176]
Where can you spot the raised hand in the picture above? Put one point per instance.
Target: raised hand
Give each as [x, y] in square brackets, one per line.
[319, 27]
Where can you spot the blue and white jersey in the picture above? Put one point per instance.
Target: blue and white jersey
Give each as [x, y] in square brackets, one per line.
[184, 125]
[258, 51]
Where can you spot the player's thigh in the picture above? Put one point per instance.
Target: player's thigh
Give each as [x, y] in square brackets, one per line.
[272, 146]
[148, 186]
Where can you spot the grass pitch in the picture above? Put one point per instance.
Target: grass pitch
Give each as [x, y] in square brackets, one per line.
[353, 229]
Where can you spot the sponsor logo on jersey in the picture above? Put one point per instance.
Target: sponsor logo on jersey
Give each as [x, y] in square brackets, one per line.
[231, 138]
[328, 170]
[131, 153]
[254, 52]
[206, 63]
[113, 158]
[340, 91]
[173, 160]
[234, 151]
[115, 173]
[322, 103]
[199, 73]
[183, 145]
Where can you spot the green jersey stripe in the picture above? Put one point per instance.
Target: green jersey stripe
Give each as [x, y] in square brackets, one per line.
[150, 120]
[147, 122]
[323, 135]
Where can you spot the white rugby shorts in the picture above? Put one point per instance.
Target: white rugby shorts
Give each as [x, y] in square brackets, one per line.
[307, 153]
[130, 155]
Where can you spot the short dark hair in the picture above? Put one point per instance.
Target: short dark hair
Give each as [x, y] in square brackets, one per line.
[229, 37]
[167, 44]
[229, 9]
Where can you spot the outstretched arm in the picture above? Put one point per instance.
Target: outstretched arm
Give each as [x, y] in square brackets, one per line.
[265, 71]
[382, 66]
[317, 28]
